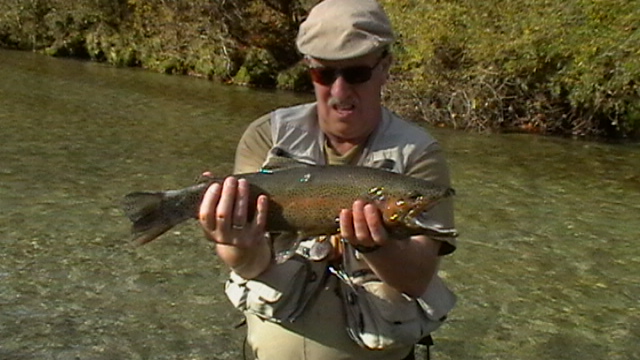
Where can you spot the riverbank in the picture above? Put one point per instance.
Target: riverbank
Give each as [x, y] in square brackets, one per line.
[566, 68]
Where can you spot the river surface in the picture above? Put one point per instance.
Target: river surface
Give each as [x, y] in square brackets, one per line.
[548, 264]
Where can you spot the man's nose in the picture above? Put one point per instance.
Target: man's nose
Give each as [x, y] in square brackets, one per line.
[340, 87]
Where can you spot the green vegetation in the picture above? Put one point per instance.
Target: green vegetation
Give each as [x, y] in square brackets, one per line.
[562, 67]
[214, 39]
[554, 67]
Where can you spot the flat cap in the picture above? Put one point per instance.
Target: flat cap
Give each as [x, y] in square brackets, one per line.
[344, 29]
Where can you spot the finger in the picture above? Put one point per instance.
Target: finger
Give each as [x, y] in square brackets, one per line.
[224, 210]
[206, 214]
[240, 206]
[375, 224]
[360, 225]
[346, 224]
[262, 209]
[207, 174]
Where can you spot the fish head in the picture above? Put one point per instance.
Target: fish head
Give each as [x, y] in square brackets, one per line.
[404, 210]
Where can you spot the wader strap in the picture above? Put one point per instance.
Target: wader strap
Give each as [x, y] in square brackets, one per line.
[425, 341]
[245, 345]
[428, 342]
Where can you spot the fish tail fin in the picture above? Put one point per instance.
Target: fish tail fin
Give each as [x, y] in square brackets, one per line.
[148, 214]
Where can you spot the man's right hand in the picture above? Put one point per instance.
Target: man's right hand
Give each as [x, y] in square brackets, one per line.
[241, 243]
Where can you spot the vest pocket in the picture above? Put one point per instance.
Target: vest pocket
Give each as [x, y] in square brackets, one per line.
[275, 295]
[379, 317]
[393, 306]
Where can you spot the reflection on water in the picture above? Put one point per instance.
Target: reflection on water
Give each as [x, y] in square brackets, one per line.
[546, 266]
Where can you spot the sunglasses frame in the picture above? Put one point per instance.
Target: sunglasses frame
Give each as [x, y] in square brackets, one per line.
[353, 75]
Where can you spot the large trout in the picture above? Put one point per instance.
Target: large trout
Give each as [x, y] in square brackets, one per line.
[304, 202]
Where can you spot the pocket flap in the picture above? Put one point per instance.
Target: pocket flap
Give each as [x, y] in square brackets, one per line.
[437, 300]
[279, 279]
[392, 305]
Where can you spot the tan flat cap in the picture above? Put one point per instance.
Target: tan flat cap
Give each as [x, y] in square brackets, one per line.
[344, 29]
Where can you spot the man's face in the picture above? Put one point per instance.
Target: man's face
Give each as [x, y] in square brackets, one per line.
[348, 108]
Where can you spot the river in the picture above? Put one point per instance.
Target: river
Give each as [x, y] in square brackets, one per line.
[547, 267]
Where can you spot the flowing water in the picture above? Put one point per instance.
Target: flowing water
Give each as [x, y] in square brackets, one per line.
[547, 267]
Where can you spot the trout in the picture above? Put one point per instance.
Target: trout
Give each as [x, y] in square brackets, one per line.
[304, 202]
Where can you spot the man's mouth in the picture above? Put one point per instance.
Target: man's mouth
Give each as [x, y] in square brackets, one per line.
[339, 106]
[342, 108]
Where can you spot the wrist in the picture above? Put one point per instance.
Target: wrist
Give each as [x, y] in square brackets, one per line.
[239, 259]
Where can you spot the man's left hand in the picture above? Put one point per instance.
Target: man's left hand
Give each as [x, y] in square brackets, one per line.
[362, 225]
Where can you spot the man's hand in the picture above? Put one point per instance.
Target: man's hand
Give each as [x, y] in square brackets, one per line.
[241, 243]
[405, 264]
[362, 225]
[223, 214]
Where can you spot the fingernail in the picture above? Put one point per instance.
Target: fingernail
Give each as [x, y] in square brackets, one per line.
[230, 181]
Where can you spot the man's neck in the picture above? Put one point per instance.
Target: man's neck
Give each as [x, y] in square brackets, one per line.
[342, 147]
[350, 156]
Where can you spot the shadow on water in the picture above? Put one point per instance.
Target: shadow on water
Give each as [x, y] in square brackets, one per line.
[545, 268]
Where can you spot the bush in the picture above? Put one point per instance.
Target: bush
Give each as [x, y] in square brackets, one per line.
[569, 67]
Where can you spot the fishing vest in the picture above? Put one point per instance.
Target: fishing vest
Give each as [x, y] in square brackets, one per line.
[295, 131]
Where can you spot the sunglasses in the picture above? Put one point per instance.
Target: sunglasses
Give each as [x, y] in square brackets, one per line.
[353, 75]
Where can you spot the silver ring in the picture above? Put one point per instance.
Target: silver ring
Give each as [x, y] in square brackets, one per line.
[237, 227]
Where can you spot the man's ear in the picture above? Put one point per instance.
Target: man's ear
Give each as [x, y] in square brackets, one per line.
[386, 67]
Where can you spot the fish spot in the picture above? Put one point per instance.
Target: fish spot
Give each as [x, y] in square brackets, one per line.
[378, 193]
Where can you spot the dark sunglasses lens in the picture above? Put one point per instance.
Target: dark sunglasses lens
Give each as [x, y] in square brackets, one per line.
[356, 74]
[324, 76]
[353, 75]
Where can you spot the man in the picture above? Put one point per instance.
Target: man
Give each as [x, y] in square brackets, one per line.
[346, 46]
